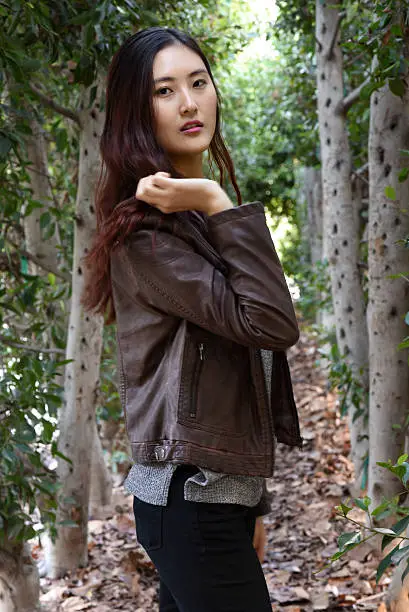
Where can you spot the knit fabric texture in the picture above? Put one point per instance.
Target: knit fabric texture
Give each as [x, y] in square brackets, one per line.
[150, 482]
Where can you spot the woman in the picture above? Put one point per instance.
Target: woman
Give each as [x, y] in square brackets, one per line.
[203, 318]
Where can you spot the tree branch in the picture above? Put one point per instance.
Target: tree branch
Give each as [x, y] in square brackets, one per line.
[37, 260]
[27, 347]
[355, 58]
[330, 51]
[344, 105]
[359, 172]
[362, 169]
[67, 112]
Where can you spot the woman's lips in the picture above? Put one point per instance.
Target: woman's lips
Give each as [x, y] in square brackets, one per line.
[193, 129]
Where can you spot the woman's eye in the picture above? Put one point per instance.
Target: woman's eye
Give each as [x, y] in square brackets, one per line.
[161, 90]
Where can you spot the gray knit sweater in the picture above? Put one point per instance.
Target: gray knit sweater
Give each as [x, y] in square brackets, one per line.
[150, 482]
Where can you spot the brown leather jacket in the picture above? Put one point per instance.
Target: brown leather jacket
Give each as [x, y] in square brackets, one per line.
[196, 298]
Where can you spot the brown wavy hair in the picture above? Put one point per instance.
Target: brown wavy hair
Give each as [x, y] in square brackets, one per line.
[130, 151]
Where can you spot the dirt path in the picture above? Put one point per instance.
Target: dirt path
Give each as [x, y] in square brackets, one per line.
[302, 529]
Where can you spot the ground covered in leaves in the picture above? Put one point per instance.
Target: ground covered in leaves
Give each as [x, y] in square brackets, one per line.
[302, 528]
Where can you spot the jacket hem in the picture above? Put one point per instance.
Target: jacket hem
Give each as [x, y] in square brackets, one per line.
[212, 459]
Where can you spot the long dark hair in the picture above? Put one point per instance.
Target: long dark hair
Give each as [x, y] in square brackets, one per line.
[130, 151]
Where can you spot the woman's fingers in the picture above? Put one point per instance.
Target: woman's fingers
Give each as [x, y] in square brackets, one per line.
[161, 181]
[146, 189]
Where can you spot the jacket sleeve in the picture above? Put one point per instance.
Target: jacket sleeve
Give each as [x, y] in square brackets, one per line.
[251, 305]
[264, 505]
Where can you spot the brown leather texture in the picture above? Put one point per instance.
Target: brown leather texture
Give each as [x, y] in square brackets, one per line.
[196, 298]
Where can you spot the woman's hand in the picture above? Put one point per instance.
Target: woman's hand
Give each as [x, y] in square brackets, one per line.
[259, 538]
[171, 195]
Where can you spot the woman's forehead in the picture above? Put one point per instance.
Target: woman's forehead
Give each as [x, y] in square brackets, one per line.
[176, 62]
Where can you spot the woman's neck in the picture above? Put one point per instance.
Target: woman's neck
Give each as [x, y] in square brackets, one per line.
[190, 166]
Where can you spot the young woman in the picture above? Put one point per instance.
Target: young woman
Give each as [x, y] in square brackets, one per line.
[204, 318]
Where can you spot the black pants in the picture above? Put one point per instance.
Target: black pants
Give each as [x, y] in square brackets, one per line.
[203, 552]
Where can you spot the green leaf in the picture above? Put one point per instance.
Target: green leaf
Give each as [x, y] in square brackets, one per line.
[401, 554]
[387, 539]
[45, 219]
[344, 509]
[29, 532]
[385, 563]
[403, 175]
[363, 503]
[405, 573]
[48, 430]
[397, 87]
[384, 531]
[390, 192]
[351, 537]
[338, 554]
[27, 434]
[83, 17]
[5, 146]
[405, 475]
[401, 525]
[56, 453]
[15, 528]
[47, 487]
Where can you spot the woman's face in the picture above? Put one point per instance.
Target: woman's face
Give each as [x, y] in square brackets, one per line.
[180, 96]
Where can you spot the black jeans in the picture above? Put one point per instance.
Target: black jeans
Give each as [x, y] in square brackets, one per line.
[203, 552]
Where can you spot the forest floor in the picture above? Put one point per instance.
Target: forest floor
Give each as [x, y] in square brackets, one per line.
[302, 528]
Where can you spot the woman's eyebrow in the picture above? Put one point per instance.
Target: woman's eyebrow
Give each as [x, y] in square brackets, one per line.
[168, 78]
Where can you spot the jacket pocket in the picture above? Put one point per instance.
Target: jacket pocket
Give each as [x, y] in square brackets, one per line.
[215, 389]
[148, 524]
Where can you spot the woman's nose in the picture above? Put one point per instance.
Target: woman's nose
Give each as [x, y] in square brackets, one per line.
[188, 103]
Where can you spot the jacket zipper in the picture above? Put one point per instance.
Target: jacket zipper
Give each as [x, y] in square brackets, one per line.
[195, 381]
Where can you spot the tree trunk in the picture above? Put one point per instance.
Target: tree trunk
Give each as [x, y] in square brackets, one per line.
[388, 223]
[45, 250]
[304, 247]
[19, 579]
[101, 480]
[340, 235]
[84, 344]
[313, 196]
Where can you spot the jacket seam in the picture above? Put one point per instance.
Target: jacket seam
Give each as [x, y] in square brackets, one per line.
[171, 299]
[245, 211]
[135, 300]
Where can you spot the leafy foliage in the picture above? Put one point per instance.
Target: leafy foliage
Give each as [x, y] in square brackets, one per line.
[396, 534]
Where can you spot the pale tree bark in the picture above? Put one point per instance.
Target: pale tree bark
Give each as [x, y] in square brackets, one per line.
[388, 223]
[101, 479]
[84, 344]
[44, 250]
[114, 439]
[340, 235]
[313, 196]
[312, 187]
[43, 257]
[302, 213]
[19, 579]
